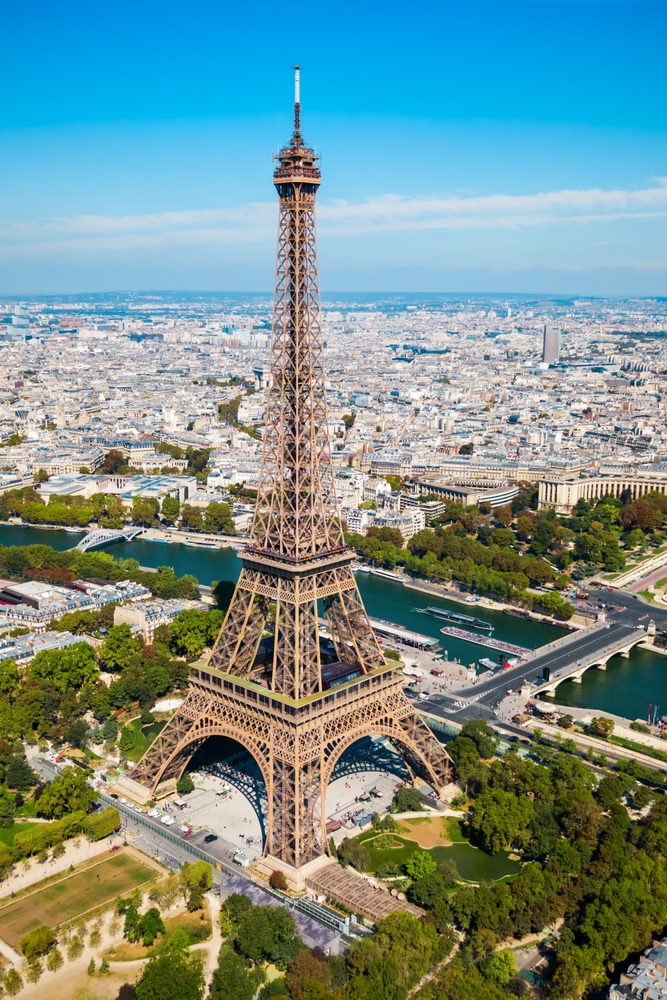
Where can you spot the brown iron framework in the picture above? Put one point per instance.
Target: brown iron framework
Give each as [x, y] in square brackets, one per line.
[264, 685]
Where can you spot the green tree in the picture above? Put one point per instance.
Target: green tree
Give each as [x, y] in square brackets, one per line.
[350, 852]
[126, 741]
[499, 817]
[67, 793]
[185, 785]
[145, 510]
[119, 650]
[192, 630]
[67, 669]
[7, 810]
[171, 508]
[501, 967]
[601, 726]
[419, 864]
[19, 775]
[191, 517]
[232, 980]
[54, 961]
[12, 982]
[9, 678]
[218, 517]
[37, 942]
[150, 926]
[408, 800]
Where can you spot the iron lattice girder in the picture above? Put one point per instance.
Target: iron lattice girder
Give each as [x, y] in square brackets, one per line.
[296, 756]
[295, 730]
[294, 593]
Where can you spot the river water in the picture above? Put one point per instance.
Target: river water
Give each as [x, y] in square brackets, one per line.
[626, 688]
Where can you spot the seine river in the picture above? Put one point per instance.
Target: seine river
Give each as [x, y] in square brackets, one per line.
[626, 688]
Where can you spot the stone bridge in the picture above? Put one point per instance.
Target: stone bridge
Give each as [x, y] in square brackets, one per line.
[597, 660]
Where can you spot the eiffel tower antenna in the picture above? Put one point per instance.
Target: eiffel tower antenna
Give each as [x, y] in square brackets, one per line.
[295, 699]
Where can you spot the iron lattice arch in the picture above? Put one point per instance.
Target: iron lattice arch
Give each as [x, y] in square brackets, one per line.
[295, 701]
[297, 759]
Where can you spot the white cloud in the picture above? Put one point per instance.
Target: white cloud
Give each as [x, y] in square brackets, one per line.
[256, 222]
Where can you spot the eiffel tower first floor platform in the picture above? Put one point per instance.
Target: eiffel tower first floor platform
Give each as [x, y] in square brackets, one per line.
[296, 745]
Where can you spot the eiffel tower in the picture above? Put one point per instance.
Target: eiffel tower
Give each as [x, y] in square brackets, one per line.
[295, 699]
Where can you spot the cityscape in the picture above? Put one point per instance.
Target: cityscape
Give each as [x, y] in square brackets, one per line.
[333, 623]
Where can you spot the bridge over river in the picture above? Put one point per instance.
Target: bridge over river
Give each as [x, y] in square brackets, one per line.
[105, 536]
[566, 659]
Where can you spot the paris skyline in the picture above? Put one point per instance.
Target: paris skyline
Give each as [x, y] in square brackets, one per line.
[500, 147]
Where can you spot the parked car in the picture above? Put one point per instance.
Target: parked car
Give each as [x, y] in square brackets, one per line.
[209, 838]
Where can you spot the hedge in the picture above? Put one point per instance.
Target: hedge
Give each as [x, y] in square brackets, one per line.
[102, 824]
[45, 835]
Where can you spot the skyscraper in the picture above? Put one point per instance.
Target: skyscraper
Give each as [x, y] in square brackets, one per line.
[550, 344]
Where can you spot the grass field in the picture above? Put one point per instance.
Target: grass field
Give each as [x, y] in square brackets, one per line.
[7, 835]
[73, 894]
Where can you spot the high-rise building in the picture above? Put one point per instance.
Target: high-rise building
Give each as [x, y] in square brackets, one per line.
[550, 344]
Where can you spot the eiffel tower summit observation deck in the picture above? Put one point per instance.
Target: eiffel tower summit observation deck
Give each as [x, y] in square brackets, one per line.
[271, 683]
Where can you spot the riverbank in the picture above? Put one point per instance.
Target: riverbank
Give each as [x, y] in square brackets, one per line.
[439, 590]
[176, 536]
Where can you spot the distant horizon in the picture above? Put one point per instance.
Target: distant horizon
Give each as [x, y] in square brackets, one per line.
[343, 294]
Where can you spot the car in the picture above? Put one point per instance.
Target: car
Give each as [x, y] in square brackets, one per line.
[112, 795]
[169, 820]
[424, 695]
[209, 838]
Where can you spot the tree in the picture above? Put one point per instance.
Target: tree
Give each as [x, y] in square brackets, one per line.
[191, 517]
[76, 733]
[12, 982]
[114, 460]
[145, 510]
[232, 980]
[54, 961]
[150, 926]
[9, 678]
[501, 967]
[267, 934]
[74, 948]
[499, 817]
[7, 810]
[67, 669]
[119, 649]
[482, 736]
[192, 630]
[91, 967]
[223, 591]
[67, 793]
[278, 880]
[350, 852]
[218, 517]
[37, 942]
[126, 741]
[307, 966]
[185, 785]
[171, 508]
[601, 726]
[408, 800]
[19, 775]
[419, 864]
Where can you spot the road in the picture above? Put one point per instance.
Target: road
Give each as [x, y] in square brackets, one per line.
[482, 698]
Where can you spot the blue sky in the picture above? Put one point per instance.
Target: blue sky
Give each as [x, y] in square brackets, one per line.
[469, 146]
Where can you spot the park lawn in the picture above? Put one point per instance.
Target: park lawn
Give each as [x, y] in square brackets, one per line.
[73, 894]
[140, 741]
[197, 926]
[472, 864]
[7, 835]
[433, 831]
